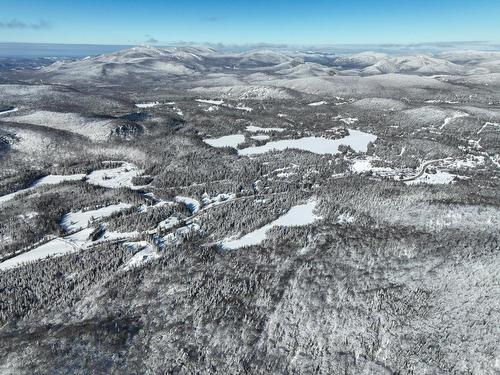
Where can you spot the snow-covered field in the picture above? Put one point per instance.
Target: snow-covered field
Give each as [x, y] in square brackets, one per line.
[47, 180]
[297, 216]
[145, 254]
[210, 101]
[8, 197]
[61, 246]
[96, 129]
[438, 178]
[54, 179]
[260, 137]
[258, 129]
[356, 139]
[365, 165]
[232, 140]
[147, 104]
[55, 247]
[9, 111]
[316, 104]
[111, 178]
[244, 108]
[115, 177]
[74, 221]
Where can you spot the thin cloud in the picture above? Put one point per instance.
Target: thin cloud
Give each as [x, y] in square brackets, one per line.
[15, 24]
[150, 39]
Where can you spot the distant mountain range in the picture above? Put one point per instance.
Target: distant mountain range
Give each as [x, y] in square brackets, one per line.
[81, 50]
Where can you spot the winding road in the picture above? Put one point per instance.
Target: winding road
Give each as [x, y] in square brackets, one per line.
[423, 167]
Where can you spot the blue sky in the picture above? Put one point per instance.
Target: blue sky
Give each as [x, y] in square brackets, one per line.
[241, 22]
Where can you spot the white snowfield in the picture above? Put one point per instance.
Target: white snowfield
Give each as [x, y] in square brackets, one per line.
[74, 221]
[47, 180]
[257, 129]
[438, 178]
[297, 216]
[210, 101]
[168, 223]
[356, 139]
[55, 247]
[260, 137]
[316, 104]
[54, 179]
[9, 111]
[115, 177]
[147, 104]
[94, 128]
[145, 254]
[365, 165]
[242, 107]
[8, 197]
[232, 140]
[111, 178]
[61, 246]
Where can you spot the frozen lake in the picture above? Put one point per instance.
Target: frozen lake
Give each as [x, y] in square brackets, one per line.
[356, 139]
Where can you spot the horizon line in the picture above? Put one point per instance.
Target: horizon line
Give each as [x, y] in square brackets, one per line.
[284, 44]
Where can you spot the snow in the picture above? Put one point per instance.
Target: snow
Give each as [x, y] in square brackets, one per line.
[9, 111]
[356, 139]
[169, 223]
[54, 179]
[216, 200]
[345, 218]
[456, 115]
[94, 128]
[297, 216]
[145, 254]
[115, 177]
[260, 137]
[210, 101]
[232, 140]
[257, 129]
[192, 204]
[111, 178]
[486, 124]
[439, 101]
[315, 104]
[147, 104]
[438, 178]
[55, 247]
[74, 221]
[468, 162]
[47, 180]
[365, 165]
[8, 197]
[244, 108]
[212, 108]
[61, 246]
[349, 120]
